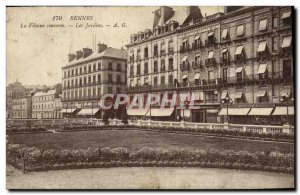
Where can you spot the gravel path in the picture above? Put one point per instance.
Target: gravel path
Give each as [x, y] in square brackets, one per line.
[147, 178]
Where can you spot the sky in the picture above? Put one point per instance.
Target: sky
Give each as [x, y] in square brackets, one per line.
[35, 56]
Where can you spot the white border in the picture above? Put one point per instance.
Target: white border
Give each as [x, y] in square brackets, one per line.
[5, 3]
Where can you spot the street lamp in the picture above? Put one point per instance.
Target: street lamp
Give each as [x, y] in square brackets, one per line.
[227, 101]
[288, 99]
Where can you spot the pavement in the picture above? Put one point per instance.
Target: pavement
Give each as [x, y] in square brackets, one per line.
[147, 178]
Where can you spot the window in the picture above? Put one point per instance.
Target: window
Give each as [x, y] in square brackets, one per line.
[84, 81]
[110, 78]
[171, 46]
[239, 53]
[155, 66]
[119, 68]
[65, 74]
[146, 81]
[138, 81]
[170, 79]
[80, 82]
[274, 44]
[224, 75]
[146, 52]
[162, 80]
[80, 70]
[162, 65]
[109, 89]
[94, 91]
[225, 55]
[225, 34]
[287, 69]
[170, 66]
[240, 30]
[163, 49]
[146, 68]
[211, 96]
[85, 69]
[210, 38]
[286, 41]
[99, 65]
[262, 25]
[138, 69]
[155, 50]
[262, 95]
[286, 18]
[94, 79]
[94, 67]
[155, 81]
[275, 22]
[90, 68]
[119, 79]
[211, 75]
[131, 70]
[76, 72]
[89, 79]
[110, 66]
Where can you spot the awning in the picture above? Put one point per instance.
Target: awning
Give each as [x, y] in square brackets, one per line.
[224, 94]
[210, 33]
[260, 111]
[286, 15]
[262, 46]
[184, 76]
[286, 91]
[161, 112]
[88, 111]
[283, 111]
[239, 50]
[224, 50]
[184, 40]
[197, 76]
[238, 95]
[262, 69]
[137, 112]
[224, 33]
[198, 54]
[184, 58]
[262, 24]
[69, 110]
[240, 30]
[261, 93]
[234, 111]
[212, 111]
[286, 42]
[239, 69]
[210, 54]
[197, 37]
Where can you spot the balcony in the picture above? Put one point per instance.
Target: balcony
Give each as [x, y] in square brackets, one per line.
[184, 49]
[146, 88]
[163, 52]
[185, 66]
[196, 46]
[197, 65]
[171, 50]
[210, 62]
[155, 53]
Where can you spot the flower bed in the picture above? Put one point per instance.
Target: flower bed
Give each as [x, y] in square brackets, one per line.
[37, 159]
[15, 129]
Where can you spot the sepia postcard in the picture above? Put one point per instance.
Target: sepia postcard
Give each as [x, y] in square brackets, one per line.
[150, 97]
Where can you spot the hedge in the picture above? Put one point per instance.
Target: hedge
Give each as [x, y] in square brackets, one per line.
[39, 159]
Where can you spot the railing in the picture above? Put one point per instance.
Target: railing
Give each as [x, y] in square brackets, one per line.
[191, 125]
[218, 126]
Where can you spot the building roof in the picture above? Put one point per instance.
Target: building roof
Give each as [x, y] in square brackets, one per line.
[109, 52]
[49, 92]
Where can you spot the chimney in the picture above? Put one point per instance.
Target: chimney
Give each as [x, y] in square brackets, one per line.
[193, 11]
[71, 57]
[165, 13]
[101, 47]
[87, 52]
[79, 54]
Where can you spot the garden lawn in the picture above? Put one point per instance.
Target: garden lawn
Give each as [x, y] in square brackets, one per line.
[133, 140]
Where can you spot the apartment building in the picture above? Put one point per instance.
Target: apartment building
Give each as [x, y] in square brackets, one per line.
[237, 64]
[90, 74]
[21, 106]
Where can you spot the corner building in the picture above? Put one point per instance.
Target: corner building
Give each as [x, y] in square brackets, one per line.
[238, 64]
[89, 75]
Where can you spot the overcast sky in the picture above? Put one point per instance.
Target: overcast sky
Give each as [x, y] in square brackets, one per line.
[36, 55]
